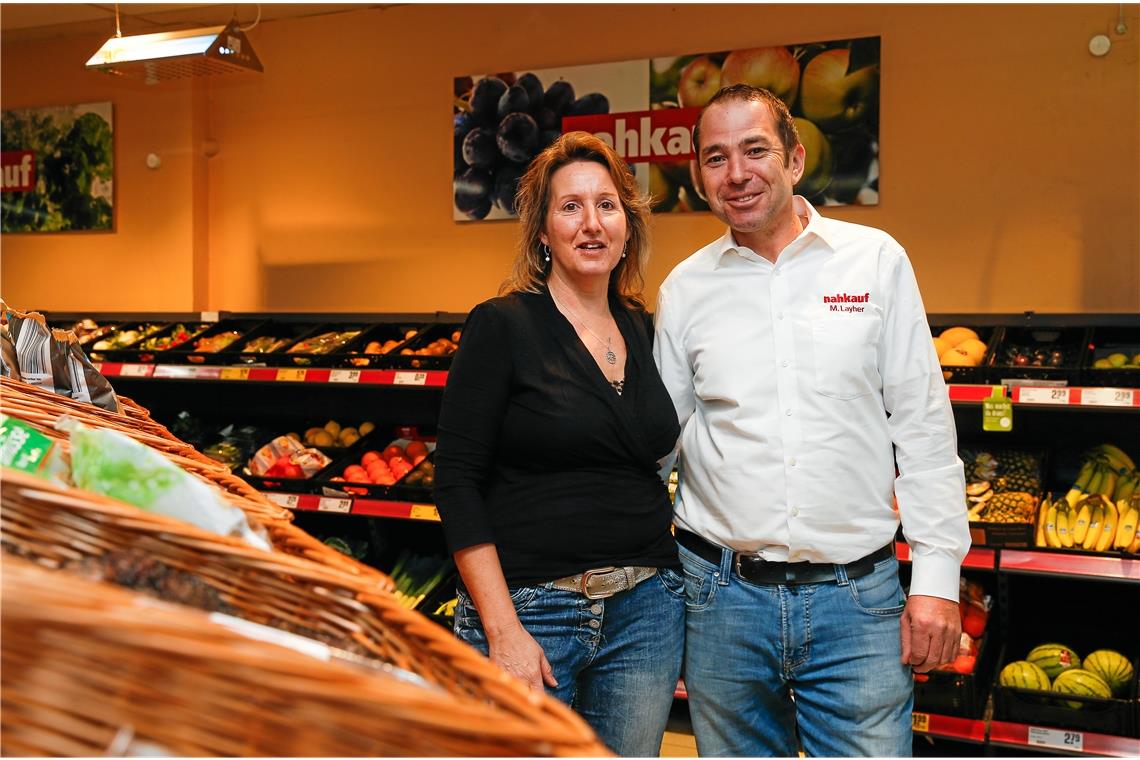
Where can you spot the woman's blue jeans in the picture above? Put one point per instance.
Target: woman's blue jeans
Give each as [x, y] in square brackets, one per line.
[834, 645]
[617, 660]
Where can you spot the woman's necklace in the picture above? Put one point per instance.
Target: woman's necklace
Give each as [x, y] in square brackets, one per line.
[611, 357]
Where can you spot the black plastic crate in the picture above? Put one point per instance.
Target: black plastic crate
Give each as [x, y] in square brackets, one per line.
[960, 695]
[120, 350]
[193, 351]
[86, 335]
[412, 355]
[1105, 342]
[395, 336]
[321, 353]
[1112, 716]
[1060, 351]
[975, 375]
[273, 338]
[378, 442]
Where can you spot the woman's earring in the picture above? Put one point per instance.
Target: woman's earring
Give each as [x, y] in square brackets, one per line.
[545, 249]
[623, 250]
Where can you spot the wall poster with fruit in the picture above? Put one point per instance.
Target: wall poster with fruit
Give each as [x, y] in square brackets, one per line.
[646, 110]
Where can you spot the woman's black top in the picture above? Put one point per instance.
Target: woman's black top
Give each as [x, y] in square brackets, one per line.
[539, 455]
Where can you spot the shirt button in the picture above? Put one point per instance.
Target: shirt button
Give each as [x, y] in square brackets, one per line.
[778, 272]
[595, 624]
[792, 461]
[596, 609]
[795, 511]
[779, 315]
[784, 363]
[787, 412]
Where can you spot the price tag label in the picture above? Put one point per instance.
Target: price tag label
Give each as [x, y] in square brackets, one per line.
[207, 373]
[344, 376]
[174, 371]
[1099, 396]
[410, 378]
[209, 316]
[997, 412]
[326, 504]
[287, 500]
[136, 370]
[1027, 395]
[424, 512]
[235, 373]
[920, 722]
[1073, 741]
[290, 375]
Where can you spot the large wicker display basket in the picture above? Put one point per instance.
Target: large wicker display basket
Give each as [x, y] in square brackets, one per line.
[90, 669]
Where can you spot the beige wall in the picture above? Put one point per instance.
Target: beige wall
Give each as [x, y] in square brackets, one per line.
[1010, 156]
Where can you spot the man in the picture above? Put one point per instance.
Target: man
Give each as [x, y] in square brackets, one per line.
[797, 353]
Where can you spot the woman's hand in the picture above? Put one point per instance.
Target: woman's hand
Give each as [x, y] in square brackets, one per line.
[515, 651]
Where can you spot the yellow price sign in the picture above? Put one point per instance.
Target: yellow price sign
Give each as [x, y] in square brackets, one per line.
[424, 512]
[235, 373]
[289, 375]
[920, 722]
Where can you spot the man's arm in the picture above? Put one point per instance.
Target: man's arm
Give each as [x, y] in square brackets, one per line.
[673, 364]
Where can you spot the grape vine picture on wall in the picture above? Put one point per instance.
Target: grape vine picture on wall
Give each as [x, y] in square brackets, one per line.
[646, 110]
[58, 169]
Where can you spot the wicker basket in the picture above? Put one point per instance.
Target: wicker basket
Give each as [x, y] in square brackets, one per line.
[90, 669]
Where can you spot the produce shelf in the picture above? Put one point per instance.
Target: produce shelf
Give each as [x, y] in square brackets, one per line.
[404, 510]
[978, 558]
[1087, 397]
[1060, 563]
[1061, 740]
[393, 377]
[963, 729]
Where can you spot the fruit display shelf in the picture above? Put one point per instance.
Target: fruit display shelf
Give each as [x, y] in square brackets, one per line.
[1061, 741]
[395, 377]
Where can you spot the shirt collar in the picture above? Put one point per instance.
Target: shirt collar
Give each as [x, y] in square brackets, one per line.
[817, 226]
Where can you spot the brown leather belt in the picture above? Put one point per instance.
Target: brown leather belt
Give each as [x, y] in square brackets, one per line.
[604, 581]
[753, 569]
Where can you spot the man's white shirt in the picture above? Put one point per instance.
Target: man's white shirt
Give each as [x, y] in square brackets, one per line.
[799, 386]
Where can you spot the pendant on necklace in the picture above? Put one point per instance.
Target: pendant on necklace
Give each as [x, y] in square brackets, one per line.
[611, 357]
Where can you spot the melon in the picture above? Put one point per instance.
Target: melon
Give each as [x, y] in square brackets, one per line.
[1082, 682]
[1023, 675]
[1113, 668]
[1054, 659]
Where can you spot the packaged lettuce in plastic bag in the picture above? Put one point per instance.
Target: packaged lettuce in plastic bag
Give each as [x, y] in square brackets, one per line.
[114, 465]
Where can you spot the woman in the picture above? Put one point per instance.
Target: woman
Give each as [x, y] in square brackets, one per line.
[552, 423]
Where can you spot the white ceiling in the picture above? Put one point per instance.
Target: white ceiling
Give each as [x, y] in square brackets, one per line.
[42, 21]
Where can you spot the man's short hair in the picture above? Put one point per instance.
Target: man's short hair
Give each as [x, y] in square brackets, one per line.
[744, 93]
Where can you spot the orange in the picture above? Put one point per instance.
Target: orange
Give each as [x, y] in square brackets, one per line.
[956, 335]
[973, 348]
[956, 358]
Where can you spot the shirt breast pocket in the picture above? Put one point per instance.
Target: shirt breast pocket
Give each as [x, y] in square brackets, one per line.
[844, 355]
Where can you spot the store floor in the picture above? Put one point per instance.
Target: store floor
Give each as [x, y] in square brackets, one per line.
[678, 740]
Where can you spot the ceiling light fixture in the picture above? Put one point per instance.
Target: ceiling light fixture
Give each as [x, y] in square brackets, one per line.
[175, 55]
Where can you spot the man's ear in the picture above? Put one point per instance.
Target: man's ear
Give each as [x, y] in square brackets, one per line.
[695, 176]
[798, 157]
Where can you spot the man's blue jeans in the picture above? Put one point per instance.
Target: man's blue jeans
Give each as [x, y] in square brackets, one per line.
[834, 645]
[617, 660]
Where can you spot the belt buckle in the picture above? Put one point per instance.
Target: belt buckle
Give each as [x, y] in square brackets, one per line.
[586, 576]
[736, 560]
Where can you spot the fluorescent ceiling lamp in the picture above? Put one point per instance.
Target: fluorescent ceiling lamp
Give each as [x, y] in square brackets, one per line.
[173, 55]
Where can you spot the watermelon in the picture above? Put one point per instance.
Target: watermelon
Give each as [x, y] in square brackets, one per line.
[1054, 659]
[1082, 682]
[1113, 667]
[1023, 675]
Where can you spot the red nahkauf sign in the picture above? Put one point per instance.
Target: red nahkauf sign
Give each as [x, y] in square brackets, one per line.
[665, 134]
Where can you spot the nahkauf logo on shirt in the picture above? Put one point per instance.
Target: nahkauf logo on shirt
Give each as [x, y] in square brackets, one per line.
[845, 302]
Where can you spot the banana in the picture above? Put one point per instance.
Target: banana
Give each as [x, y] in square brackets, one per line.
[1126, 529]
[1042, 513]
[1108, 530]
[1080, 487]
[1096, 526]
[1135, 547]
[1080, 526]
[1099, 471]
[1117, 458]
[1107, 483]
[1125, 487]
[1063, 531]
[1051, 537]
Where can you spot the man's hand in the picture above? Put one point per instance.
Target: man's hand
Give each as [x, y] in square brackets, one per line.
[931, 630]
[516, 652]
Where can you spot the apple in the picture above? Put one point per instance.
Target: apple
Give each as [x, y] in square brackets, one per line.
[773, 68]
[817, 159]
[834, 99]
[699, 81]
[663, 192]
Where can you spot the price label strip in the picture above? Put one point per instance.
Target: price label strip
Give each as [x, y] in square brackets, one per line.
[287, 500]
[235, 373]
[410, 378]
[424, 512]
[997, 412]
[344, 376]
[1072, 741]
[1028, 395]
[1098, 396]
[920, 722]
